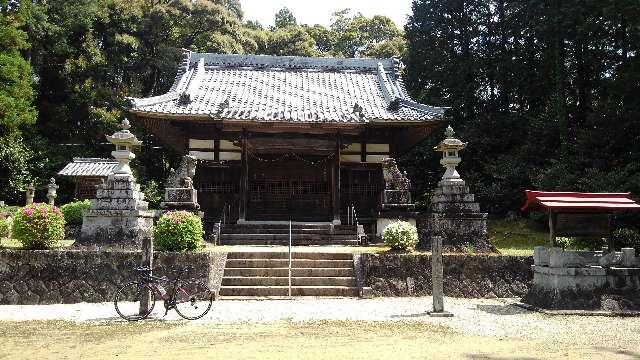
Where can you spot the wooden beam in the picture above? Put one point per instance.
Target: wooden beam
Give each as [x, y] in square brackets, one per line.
[244, 181]
[335, 191]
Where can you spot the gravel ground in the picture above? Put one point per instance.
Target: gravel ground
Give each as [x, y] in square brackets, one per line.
[483, 317]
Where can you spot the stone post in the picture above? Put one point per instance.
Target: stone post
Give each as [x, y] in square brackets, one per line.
[30, 193]
[52, 191]
[437, 279]
[147, 261]
[629, 257]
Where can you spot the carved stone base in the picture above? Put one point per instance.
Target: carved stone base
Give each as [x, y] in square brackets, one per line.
[126, 227]
[118, 215]
[457, 218]
[180, 199]
[387, 217]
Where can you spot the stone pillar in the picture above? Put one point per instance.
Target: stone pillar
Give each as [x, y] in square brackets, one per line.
[52, 191]
[30, 192]
[147, 261]
[437, 275]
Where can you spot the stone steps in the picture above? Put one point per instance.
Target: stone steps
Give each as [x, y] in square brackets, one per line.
[342, 291]
[266, 273]
[284, 281]
[278, 234]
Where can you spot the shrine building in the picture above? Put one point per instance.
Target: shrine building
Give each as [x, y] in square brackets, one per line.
[282, 138]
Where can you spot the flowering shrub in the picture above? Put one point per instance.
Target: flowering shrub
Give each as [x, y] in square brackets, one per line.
[38, 226]
[73, 211]
[178, 231]
[400, 235]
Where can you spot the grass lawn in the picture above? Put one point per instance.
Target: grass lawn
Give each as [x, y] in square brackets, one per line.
[281, 340]
[516, 237]
[16, 245]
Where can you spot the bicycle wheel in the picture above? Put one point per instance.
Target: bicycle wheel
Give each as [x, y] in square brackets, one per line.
[193, 299]
[127, 301]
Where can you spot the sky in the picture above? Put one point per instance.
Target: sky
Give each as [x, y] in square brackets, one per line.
[319, 11]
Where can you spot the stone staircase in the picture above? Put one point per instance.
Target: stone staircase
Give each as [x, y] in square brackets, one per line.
[278, 234]
[261, 273]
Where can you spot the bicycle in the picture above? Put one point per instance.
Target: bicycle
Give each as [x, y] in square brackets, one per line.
[191, 298]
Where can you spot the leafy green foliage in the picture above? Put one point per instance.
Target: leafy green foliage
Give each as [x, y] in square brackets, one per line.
[178, 231]
[5, 227]
[73, 211]
[542, 91]
[580, 243]
[153, 194]
[627, 237]
[38, 226]
[400, 235]
[284, 18]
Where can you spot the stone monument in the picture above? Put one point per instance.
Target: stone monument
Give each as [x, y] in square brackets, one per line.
[118, 214]
[52, 190]
[179, 193]
[456, 216]
[30, 192]
[395, 200]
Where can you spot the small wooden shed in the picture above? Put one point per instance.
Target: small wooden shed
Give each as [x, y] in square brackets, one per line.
[87, 173]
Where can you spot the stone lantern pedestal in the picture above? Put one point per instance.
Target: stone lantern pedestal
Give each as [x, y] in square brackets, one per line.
[118, 215]
[456, 216]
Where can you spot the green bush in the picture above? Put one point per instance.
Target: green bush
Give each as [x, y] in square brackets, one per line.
[178, 231]
[153, 194]
[581, 243]
[73, 211]
[627, 237]
[38, 226]
[5, 227]
[400, 235]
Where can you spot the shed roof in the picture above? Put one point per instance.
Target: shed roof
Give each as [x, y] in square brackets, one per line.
[287, 89]
[89, 167]
[576, 201]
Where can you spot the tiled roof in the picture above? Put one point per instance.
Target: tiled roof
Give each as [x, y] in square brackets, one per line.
[89, 167]
[286, 88]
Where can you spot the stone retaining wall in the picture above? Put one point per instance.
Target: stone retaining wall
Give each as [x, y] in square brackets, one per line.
[72, 276]
[468, 276]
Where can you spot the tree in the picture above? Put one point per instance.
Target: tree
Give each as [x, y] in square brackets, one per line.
[16, 96]
[284, 18]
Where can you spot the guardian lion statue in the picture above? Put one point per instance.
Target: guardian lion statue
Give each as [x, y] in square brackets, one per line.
[183, 177]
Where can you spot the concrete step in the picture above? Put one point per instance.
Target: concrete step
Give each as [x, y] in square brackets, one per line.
[296, 242]
[285, 237]
[285, 255]
[284, 281]
[303, 231]
[282, 263]
[283, 291]
[283, 272]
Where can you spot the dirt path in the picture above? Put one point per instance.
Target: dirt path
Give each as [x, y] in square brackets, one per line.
[317, 328]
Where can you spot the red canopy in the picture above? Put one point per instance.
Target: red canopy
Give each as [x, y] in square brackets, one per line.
[600, 202]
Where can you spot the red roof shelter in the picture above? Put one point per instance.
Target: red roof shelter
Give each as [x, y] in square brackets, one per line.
[576, 201]
[579, 214]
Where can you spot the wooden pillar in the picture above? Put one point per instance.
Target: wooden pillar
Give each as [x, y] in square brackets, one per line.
[244, 181]
[335, 188]
[552, 228]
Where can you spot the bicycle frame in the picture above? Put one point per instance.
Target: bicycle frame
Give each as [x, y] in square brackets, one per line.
[152, 283]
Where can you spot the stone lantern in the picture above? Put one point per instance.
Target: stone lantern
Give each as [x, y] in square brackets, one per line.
[456, 216]
[124, 141]
[118, 214]
[450, 147]
[52, 191]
